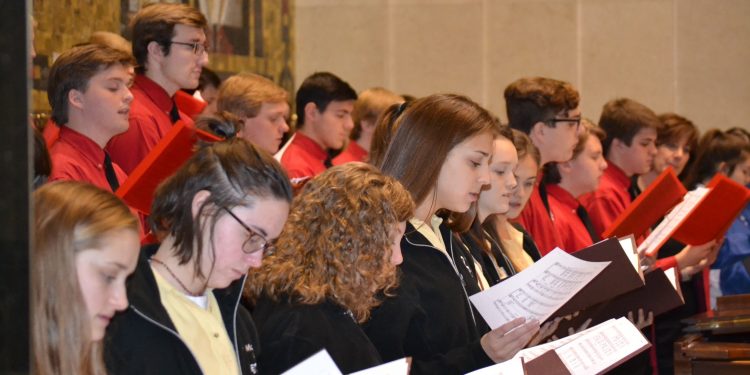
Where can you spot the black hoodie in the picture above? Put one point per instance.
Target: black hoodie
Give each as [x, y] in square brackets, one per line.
[142, 340]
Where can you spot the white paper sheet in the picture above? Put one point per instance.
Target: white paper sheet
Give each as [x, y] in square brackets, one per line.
[397, 367]
[320, 363]
[601, 347]
[510, 367]
[538, 291]
[672, 220]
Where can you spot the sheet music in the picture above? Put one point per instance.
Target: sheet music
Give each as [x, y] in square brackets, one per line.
[601, 347]
[538, 291]
[533, 352]
[319, 363]
[510, 367]
[672, 220]
[397, 367]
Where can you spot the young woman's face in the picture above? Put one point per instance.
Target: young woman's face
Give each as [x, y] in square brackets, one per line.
[495, 198]
[672, 154]
[464, 172]
[525, 174]
[101, 277]
[396, 232]
[265, 218]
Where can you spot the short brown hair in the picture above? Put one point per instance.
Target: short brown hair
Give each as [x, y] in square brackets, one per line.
[243, 94]
[156, 22]
[336, 242]
[675, 127]
[73, 70]
[235, 173]
[428, 128]
[551, 172]
[716, 147]
[537, 99]
[623, 118]
[370, 104]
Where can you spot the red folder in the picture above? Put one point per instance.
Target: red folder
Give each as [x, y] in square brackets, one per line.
[162, 161]
[188, 104]
[650, 206]
[712, 216]
[715, 213]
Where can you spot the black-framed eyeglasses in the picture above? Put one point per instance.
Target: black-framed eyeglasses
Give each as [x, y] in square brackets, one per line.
[255, 241]
[570, 120]
[198, 48]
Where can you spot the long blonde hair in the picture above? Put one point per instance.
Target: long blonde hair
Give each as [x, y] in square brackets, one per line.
[336, 243]
[68, 217]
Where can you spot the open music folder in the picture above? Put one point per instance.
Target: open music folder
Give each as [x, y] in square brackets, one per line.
[162, 161]
[704, 214]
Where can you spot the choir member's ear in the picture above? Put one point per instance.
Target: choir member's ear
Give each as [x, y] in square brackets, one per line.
[536, 133]
[198, 200]
[565, 167]
[722, 167]
[155, 50]
[311, 112]
[75, 99]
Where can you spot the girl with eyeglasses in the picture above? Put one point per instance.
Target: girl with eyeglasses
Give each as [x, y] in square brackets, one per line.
[217, 215]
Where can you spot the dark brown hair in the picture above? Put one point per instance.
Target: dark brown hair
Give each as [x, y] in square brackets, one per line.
[428, 128]
[156, 22]
[716, 147]
[73, 70]
[235, 173]
[623, 118]
[537, 99]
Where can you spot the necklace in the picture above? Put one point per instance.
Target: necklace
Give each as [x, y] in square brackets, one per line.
[176, 278]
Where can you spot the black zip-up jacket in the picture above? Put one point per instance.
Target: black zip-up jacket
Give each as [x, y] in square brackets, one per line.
[430, 317]
[290, 332]
[143, 340]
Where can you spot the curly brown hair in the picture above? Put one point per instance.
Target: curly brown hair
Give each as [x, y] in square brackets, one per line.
[336, 244]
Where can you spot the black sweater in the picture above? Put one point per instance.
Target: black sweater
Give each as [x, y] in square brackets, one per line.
[143, 340]
[290, 333]
[430, 317]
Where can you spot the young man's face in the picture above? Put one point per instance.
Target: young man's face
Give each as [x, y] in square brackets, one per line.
[638, 157]
[331, 127]
[556, 143]
[106, 101]
[267, 128]
[181, 68]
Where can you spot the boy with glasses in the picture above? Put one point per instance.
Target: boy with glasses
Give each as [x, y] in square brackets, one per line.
[169, 45]
[547, 111]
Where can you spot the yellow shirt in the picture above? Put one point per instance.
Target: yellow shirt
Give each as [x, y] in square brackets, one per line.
[202, 329]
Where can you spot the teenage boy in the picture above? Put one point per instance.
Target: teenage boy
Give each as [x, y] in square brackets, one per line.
[569, 180]
[324, 116]
[547, 111]
[89, 95]
[630, 148]
[169, 46]
[370, 104]
[260, 105]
